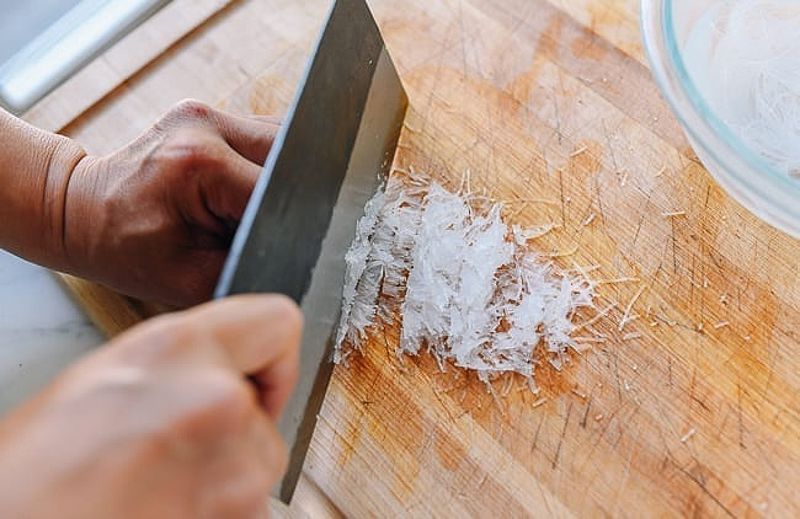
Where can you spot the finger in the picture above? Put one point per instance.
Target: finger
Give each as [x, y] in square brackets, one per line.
[269, 449]
[271, 119]
[227, 186]
[260, 335]
[251, 137]
[242, 468]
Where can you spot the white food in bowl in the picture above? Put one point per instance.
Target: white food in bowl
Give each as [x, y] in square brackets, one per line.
[744, 59]
[729, 133]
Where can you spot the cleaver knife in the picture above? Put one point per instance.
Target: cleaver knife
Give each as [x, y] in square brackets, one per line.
[332, 153]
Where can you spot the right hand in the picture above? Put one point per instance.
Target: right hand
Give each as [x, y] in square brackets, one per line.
[162, 422]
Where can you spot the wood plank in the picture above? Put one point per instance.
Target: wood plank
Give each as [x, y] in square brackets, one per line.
[544, 98]
[112, 313]
[124, 59]
[616, 21]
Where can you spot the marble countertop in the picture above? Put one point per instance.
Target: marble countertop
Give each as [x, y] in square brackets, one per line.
[41, 329]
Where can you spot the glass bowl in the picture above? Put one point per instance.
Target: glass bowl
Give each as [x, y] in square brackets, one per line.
[741, 169]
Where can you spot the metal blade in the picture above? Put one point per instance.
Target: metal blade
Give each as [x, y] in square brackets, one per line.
[327, 161]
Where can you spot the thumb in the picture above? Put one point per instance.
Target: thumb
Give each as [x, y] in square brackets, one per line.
[251, 136]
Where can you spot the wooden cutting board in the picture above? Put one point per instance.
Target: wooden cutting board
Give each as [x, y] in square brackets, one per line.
[692, 408]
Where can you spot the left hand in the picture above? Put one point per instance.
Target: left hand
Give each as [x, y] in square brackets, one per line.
[155, 219]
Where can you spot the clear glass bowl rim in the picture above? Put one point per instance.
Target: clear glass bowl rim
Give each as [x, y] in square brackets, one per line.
[704, 127]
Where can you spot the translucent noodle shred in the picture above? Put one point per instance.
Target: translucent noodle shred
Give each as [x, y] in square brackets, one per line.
[460, 282]
[744, 58]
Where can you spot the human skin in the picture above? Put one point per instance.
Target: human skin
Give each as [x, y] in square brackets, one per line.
[175, 418]
[153, 220]
[161, 422]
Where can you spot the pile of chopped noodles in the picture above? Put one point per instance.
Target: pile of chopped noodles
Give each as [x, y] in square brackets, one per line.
[459, 281]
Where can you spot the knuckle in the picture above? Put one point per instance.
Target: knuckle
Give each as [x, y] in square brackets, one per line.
[188, 149]
[160, 338]
[185, 114]
[220, 409]
[231, 400]
[182, 113]
[177, 332]
[190, 109]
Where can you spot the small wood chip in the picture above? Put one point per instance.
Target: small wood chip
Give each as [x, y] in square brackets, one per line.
[540, 402]
[721, 324]
[582, 396]
[544, 201]
[566, 254]
[596, 332]
[673, 214]
[631, 336]
[587, 324]
[686, 437]
[579, 151]
[542, 230]
[626, 315]
[589, 340]
[589, 220]
[617, 281]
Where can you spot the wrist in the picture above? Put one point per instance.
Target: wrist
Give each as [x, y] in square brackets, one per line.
[35, 168]
[44, 241]
[80, 217]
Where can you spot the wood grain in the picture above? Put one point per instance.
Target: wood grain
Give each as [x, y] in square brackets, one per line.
[700, 415]
[134, 51]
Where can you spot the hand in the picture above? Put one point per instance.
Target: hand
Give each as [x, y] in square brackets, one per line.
[161, 423]
[155, 219]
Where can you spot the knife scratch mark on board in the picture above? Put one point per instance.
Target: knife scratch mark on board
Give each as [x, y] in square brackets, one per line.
[739, 409]
[563, 434]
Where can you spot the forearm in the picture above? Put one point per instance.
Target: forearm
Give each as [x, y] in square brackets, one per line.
[35, 170]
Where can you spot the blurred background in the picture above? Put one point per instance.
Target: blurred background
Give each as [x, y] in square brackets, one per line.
[22, 21]
[44, 42]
